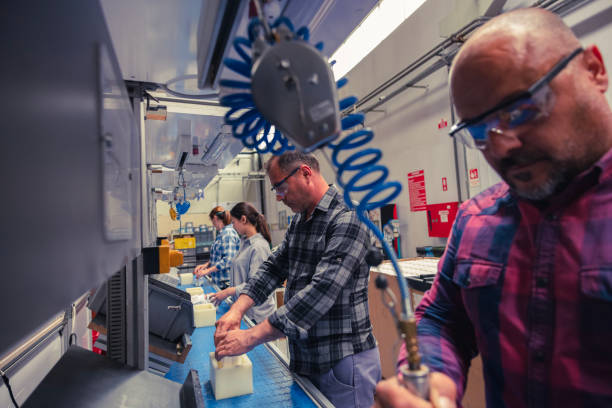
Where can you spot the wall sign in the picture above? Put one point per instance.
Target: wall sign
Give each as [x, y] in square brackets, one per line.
[474, 179]
[416, 190]
[440, 218]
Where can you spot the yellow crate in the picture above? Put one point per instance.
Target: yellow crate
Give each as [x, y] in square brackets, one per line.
[184, 243]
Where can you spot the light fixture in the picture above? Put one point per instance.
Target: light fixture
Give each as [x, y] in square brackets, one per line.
[377, 26]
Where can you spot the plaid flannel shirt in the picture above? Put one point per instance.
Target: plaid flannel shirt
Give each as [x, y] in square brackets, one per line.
[531, 290]
[224, 248]
[325, 315]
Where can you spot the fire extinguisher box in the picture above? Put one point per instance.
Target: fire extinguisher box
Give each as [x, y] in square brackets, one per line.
[440, 218]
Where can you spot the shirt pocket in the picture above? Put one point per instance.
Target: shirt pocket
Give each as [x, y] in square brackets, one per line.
[596, 282]
[594, 314]
[475, 274]
[480, 282]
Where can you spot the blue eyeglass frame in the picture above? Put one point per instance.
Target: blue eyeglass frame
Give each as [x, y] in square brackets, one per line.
[280, 183]
[529, 93]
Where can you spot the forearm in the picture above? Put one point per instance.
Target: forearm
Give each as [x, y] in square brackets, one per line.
[264, 332]
[242, 304]
[446, 336]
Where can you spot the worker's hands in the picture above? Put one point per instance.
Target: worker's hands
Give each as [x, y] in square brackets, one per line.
[217, 298]
[203, 270]
[391, 394]
[229, 321]
[233, 343]
[198, 271]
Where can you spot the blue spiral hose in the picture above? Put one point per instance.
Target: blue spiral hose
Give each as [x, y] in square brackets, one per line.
[247, 125]
[244, 118]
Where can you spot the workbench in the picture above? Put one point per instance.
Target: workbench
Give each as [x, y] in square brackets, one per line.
[273, 384]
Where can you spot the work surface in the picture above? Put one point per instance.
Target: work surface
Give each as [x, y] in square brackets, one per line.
[84, 379]
[273, 383]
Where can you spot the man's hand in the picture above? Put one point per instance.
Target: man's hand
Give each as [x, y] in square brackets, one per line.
[229, 321]
[391, 394]
[233, 343]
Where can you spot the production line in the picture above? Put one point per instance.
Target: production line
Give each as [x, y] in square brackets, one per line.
[272, 382]
[416, 222]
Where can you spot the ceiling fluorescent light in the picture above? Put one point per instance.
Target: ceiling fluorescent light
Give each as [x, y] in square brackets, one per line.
[377, 26]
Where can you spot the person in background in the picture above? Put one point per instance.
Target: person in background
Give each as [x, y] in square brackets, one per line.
[254, 250]
[526, 278]
[325, 316]
[223, 250]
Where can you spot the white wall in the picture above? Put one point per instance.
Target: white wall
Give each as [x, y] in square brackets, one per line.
[406, 127]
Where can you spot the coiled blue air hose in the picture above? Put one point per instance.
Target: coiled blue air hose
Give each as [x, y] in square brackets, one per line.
[244, 118]
[247, 125]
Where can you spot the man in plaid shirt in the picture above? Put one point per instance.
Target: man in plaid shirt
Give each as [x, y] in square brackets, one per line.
[325, 316]
[526, 279]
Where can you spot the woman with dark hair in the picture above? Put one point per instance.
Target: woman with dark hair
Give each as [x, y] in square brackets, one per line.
[254, 250]
[223, 250]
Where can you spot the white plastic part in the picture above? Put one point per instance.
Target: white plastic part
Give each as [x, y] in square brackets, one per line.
[186, 278]
[231, 377]
[198, 299]
[204, 314]
[195, 291]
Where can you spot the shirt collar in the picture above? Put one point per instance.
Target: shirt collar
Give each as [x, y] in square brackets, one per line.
[605, 165]
[326, 200]
[253, 238]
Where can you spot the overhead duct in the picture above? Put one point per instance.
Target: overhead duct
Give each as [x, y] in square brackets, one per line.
[219, 20]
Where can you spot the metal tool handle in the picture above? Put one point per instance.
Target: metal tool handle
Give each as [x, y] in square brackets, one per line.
[416, 381]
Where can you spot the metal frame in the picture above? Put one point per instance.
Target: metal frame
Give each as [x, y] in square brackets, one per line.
[20, 355]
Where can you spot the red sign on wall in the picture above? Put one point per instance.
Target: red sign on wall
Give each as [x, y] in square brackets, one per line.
[440, 218]
[416, 190]
[444, 184]
[474, 179]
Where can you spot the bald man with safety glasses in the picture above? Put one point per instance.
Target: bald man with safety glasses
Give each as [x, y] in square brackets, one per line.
[526, 278]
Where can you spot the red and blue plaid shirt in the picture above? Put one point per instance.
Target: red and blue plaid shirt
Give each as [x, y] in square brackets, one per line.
[530, 289]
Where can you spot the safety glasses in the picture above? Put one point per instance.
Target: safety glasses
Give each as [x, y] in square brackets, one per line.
[536, 102]
[281, 187]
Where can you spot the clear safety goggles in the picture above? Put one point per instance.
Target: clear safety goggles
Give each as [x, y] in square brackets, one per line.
[280, 188]
[536, 102]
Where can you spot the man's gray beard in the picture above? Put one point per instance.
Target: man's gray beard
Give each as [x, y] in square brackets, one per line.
[546, 189]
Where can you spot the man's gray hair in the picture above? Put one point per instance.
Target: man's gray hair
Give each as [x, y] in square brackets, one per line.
[287, 161]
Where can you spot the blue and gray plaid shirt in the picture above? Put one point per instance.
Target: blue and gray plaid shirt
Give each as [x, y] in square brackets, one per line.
[224, 248]
[325, 315]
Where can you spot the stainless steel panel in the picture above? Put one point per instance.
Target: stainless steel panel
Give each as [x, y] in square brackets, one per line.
[52, 216]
